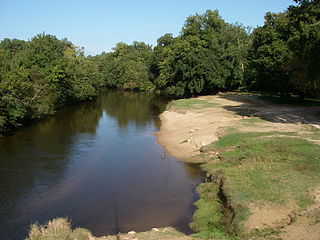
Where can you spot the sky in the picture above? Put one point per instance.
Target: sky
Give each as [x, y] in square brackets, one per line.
[97, 25]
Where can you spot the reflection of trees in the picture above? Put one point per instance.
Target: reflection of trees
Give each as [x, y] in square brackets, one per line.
[140, 108]
[35, 156]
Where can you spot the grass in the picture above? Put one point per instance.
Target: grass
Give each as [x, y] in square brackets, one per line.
[59, 228]
[208, 218]
[191, 104]
[265, 167]
[272, 169]
[251, 121]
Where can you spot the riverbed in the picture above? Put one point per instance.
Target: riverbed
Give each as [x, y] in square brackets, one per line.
[97, 163]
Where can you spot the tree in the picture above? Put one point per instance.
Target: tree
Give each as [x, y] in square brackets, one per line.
[209, 55]
[304, 45]
[41, 75]
[268, 55]
[127, 67]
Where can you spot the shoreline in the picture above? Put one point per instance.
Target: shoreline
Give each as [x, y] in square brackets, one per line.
[187, 132]
[207, 130]
[183, 132]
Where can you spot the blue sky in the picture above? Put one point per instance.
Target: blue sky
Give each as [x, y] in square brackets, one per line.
[98, 24]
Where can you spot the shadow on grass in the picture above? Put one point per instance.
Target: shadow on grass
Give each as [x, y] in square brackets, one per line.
[272, 110]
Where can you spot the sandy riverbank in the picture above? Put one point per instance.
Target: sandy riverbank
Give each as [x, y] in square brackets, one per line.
[184, 131]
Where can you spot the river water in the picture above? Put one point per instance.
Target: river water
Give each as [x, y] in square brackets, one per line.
[99, 164]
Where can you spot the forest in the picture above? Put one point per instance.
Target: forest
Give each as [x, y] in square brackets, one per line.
[40, 75]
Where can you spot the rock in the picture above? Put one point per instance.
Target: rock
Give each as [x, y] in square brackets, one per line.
[155, 229]
[204, 149]
[132, 232]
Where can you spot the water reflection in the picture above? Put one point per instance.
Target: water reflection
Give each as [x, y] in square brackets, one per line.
[130, 107]
[97, 163]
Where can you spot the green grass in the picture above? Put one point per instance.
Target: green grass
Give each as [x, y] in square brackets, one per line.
[274, 168]
[208, 218]
[251, 121]
[312, 129]
[258, 166]
[191, 104]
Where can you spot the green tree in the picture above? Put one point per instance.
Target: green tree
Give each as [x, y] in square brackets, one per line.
[269, 54]
[41, 75]
[304, 45]
[209, 55]
[127, 67]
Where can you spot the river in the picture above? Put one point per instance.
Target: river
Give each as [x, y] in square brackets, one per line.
[97, 163]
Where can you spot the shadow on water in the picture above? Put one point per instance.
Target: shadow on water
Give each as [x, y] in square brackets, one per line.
[98, 164]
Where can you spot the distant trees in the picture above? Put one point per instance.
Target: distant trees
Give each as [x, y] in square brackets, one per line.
[209, 55]
[282, 56]
[127, 67]
[40, 75]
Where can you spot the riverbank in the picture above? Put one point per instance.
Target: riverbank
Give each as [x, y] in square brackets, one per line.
[262, 163]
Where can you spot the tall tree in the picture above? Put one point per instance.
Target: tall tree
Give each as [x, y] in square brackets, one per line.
[209, 55]
[304, 45]
[269, 54]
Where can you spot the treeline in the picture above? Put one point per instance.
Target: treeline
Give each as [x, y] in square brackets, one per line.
[210, 55]
[41, 75]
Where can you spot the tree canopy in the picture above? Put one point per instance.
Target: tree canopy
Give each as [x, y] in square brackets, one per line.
[282, 56]
[285, 52]
[40, 75]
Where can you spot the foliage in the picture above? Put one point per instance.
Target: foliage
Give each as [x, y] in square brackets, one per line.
[304, 44]
[209, 55]
[58, 228]
[284, 54]
[41, 75]
[268, 54]
[127, 67]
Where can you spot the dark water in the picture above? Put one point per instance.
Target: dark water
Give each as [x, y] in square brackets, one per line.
[99, 164]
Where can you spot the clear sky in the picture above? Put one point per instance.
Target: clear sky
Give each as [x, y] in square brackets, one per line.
[98, 24]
